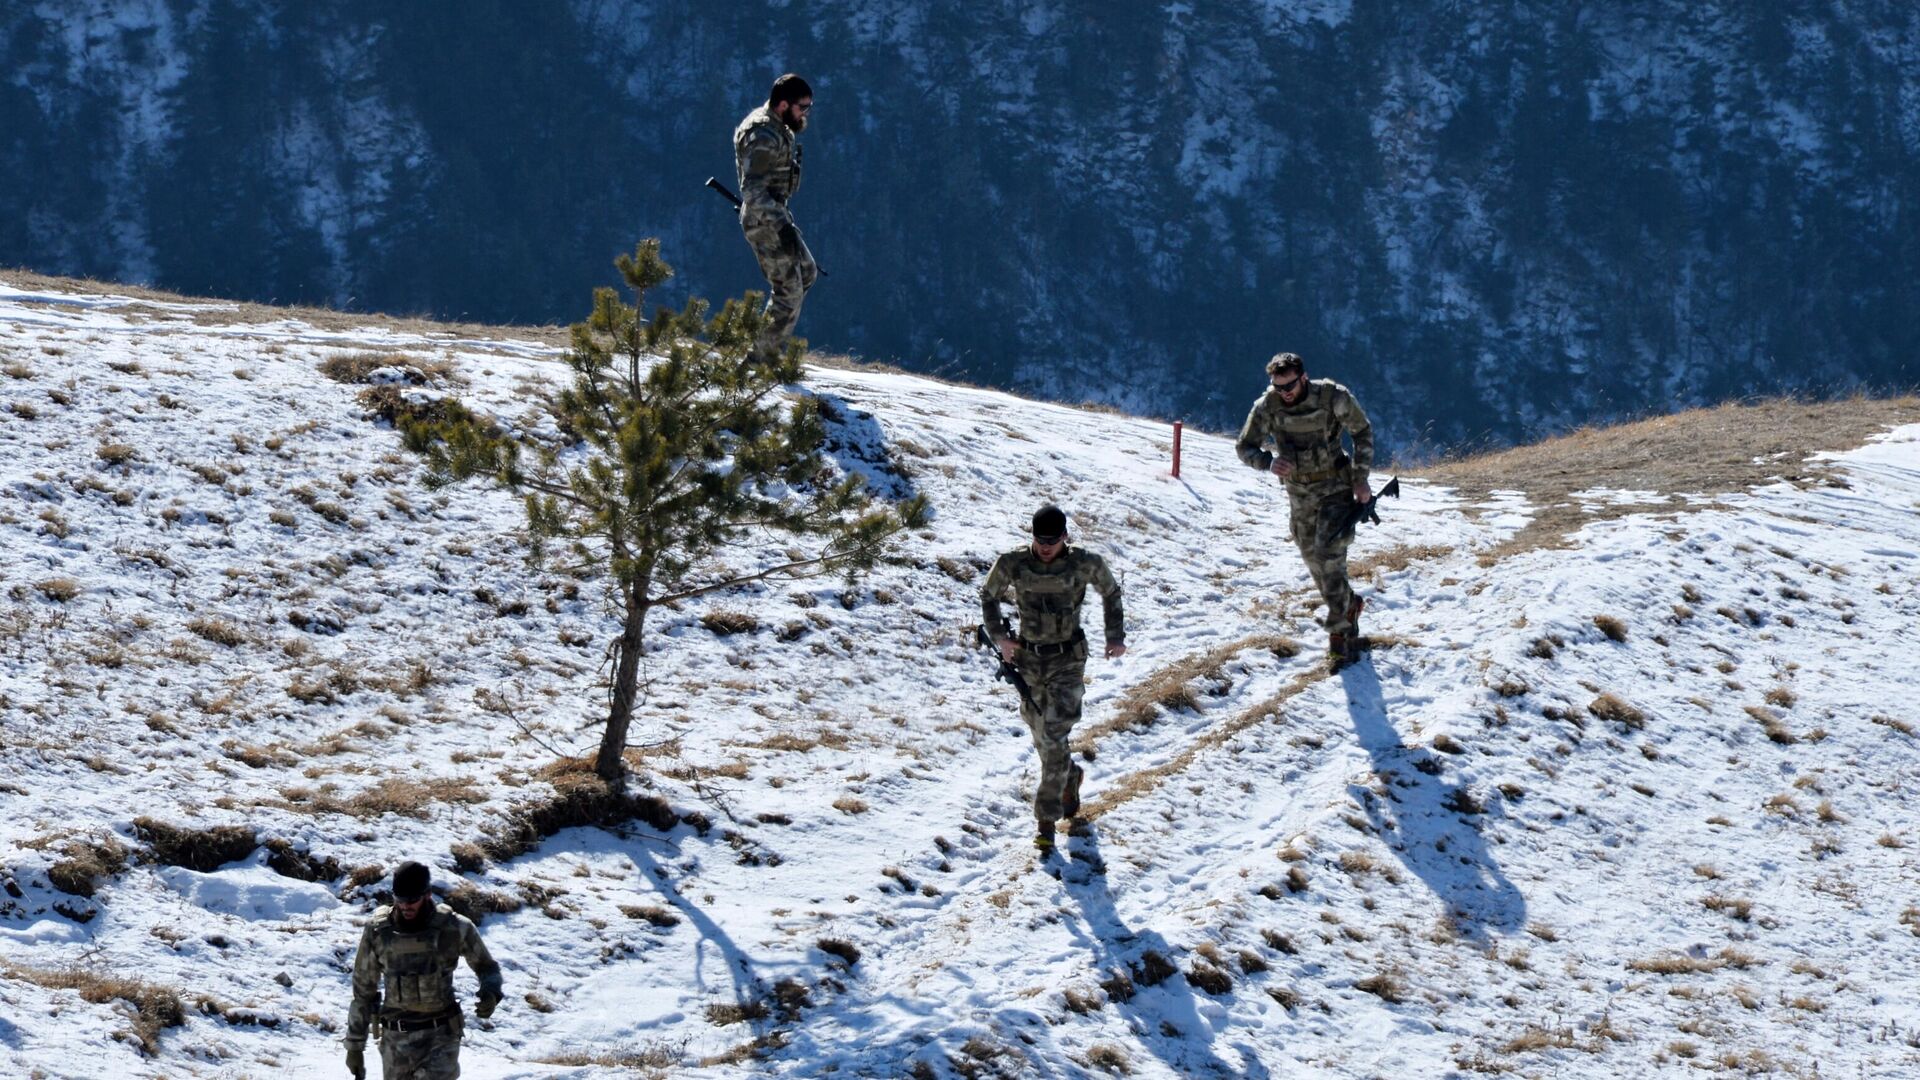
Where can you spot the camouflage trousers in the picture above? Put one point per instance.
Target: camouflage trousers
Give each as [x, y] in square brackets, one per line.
[790, 272]
[432, 1054]
[1056, 684]
[1311, 510]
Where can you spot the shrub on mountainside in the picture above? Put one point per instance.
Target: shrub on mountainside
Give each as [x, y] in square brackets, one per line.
[679, 444]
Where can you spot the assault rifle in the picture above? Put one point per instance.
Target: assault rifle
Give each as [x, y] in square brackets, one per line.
[1006, 671]
[727, 194]
[1351, 517]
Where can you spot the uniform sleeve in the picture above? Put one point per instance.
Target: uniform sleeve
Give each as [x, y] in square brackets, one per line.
[1349, 413]
[758, 158]
[1104, 583]
[1252, 434]
[479, 959]
[366, 988]
[999, 580]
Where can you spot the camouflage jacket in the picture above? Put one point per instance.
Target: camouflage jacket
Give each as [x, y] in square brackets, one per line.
[412, 971]
[766, 156]
[1307, 432]
[1049, 594]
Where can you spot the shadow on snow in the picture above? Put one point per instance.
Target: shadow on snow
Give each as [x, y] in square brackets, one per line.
[1428, 822]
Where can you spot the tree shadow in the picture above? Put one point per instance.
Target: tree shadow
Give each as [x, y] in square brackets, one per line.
[1119, 948]
[1429, 823]
[858, 445]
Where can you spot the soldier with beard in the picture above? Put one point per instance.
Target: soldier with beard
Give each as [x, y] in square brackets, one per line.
[403, 983]
[1303, 419]
[767, 158]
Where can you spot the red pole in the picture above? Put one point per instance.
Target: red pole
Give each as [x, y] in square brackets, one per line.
[1177, 425]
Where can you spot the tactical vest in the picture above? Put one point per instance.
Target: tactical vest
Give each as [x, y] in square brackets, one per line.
[1048, 595]
[1307, 433]
[417, 968]
[766, 159]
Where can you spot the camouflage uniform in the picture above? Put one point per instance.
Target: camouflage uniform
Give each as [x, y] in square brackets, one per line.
[1053, 649]
[403, 985]
[1307, 433]
[766, 156]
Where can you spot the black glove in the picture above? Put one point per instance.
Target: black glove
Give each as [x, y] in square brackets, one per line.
[489, 1000]
[357, 1060]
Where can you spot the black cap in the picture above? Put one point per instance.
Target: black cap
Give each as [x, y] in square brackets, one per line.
[1049, 523]
[410, 881]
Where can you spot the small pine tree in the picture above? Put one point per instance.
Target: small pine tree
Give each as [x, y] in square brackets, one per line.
[679, 441]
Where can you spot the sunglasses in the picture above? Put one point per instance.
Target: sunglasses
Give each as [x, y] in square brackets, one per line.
[1049, 541]
[803, 106]
[1288, 384]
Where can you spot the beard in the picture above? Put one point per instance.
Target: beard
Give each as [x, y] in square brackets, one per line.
[796, 121]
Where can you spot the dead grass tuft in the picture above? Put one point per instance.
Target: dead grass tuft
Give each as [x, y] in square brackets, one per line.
[204, 850]
[218, 631]
[402, 796]
[1610, 708]
[839, 947]
[1172, 687]
[356, 368]
[725, 623]
[580, 799]
[60, 589]
[1386, 985]
[737, 1012]
[1614, 628]
[85, 861]
[1109, 1058]
[155, 1007]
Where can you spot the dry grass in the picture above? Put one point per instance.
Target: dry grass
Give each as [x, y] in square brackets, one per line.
[401, 796]
[1613, 627]
[1172, 687]
[725, 623]
[204, 850]
[155, 1007]
[356, 367]
[218, 631]
[60, 589]
[1729, 448]
[1395, 559]
[86, 860]
[1611, 708]
[1139, 783]
[1386, 985]
[1776, 731]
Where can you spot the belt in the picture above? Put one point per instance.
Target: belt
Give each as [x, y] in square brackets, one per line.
[1313, 477]
[1053, 648]
[423, 1023]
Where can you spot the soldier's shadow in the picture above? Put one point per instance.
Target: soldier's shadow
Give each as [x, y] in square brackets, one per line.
[1117, 947]
[1429, 824]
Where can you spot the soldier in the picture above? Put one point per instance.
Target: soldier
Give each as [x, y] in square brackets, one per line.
[403, 983]
[1304, 418]
[767, 158]
[1049, 582]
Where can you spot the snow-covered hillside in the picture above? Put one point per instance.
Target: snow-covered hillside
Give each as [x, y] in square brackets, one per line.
[1633, 805]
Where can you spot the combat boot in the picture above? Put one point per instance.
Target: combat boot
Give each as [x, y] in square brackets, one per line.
[1342, 649]
[1043, 841]
[1070, 799]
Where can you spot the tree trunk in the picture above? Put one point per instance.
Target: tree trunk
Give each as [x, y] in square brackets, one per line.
[626, 685]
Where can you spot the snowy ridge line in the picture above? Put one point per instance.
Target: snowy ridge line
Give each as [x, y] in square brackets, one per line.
[1632, 806]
